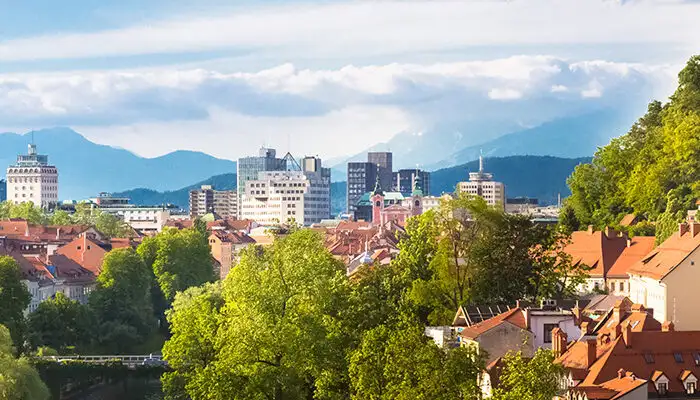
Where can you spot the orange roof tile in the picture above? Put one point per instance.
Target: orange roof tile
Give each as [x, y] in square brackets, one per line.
[85, 252]
[595, 249]
[515, 316]
[636, 249]
[665, 258]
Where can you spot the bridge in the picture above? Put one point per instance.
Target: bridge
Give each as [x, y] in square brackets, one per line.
[129, 360]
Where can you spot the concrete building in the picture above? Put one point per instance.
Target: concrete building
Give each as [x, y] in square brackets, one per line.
[408, 181]
[665, 279]
[33, 180]
[3, 190]
[278, 196]
[223, 203]
[482, 184]
[362, 177]
[384, 162]
[248, 168]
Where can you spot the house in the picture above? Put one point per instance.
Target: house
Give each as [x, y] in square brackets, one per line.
[86, 252]
[665, 279]
[499, 335]
[608, 254]
[626, 386]
[668, 360]
[225, 248]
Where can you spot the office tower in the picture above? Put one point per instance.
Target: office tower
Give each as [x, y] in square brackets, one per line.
[33, 180]
[223, 203]
[482, 184]
[248, 168]
[383, 161]
[3, 190]
[362, 177]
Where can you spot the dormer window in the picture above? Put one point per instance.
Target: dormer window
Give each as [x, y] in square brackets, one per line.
[662, 388]
[690, 387]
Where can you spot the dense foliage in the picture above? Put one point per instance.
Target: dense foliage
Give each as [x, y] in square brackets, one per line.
[14, 299]
[61, 324]
[652, 171]
[18, 379]
[537, 378]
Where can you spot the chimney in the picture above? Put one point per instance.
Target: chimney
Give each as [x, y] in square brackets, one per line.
[627, 335]
[682, 228]
[617, 331]
[620, 373]
[668, 326]
[591, 352]
[590, 229]
[58, 233]
[585, 328]
[618, 312]
[82, 253]
[610, 232]
[694, 229]
[629, 242]
[577, 313]
[559, 342]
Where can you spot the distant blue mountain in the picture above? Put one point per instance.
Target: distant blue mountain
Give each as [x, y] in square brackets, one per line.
[86, 168]
[571, 137]
[180, 197]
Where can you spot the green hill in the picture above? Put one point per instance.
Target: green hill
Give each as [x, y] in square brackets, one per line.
[178, 197]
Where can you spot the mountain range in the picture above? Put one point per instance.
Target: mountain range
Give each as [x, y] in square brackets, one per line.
[86, 168]
[572, 136]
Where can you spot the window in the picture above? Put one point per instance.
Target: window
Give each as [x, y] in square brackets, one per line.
[622, 286]
[649, 358]
[678, 357]
[696, 357]
[662, 388]
[548, 332]
[690, 387]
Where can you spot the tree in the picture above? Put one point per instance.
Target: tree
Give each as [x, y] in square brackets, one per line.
[18, 379]
[61, 217]
[26, 210]
[650, 171]
[402, 363]
[179, 259]
[275, 336]
[538, 378]
[121, 301]
[14, 297]
[61, 323]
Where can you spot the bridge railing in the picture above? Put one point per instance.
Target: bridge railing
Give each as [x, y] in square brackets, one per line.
[126, 359]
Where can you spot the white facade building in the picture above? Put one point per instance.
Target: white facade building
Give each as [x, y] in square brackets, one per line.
[278, 196]
[33, 180]
[482, 184]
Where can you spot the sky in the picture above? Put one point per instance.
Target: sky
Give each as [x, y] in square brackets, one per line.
[330, 78]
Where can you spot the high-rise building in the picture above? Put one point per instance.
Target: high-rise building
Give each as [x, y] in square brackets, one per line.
[279, 196]
[33, 180]
[248, 168]
[384, 163]
[3, 190]
[223, 203]
[362, 177]
[407, 181]
[482, 184]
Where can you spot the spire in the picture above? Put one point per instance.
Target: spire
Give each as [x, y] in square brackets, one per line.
[377, 187]
[481, 161]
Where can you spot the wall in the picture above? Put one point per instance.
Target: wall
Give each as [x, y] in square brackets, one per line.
[651, 293]
[683, 295]
[505, 337]
[565, 322]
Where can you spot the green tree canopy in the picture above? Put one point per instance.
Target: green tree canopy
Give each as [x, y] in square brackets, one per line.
[179, 259]
[121, 301]
[18, 379]
[14, 298]
[60, 323]
[538, 378]
[276, 334]
[652, 171]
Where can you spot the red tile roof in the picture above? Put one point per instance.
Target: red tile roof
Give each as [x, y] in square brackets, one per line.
[637, 248]
[87, 253]
[665, 258]
[595, 249]
[515, 316]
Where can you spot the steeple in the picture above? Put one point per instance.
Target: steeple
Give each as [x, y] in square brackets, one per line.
[377, 187]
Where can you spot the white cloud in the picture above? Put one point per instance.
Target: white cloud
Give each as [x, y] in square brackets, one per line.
[330, 112]
[504, 94]
[350, 29]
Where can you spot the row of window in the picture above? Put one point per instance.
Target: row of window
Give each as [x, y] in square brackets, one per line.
[31, 179]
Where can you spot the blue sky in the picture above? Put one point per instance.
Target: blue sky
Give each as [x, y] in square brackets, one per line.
[154, 76]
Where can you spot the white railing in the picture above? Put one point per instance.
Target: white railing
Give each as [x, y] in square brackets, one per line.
[100, 359]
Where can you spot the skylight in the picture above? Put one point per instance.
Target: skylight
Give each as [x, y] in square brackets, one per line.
[678, 357]
[649, 358]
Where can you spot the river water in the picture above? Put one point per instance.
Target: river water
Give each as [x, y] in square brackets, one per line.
[134, 390]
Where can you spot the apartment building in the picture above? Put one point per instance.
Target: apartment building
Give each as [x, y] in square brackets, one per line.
[32, 179]
[206, 200]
